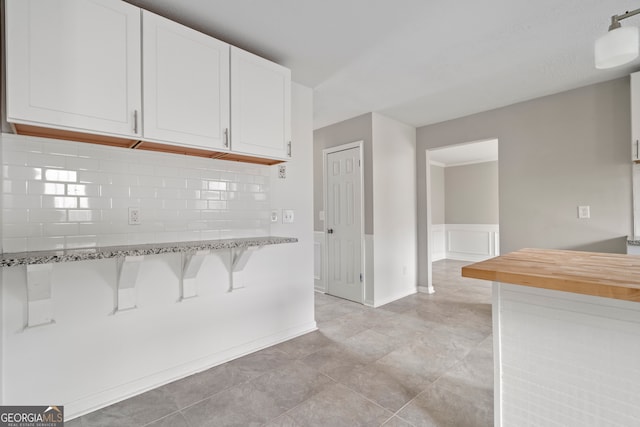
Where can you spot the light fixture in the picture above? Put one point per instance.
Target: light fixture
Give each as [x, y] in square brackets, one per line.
[619, 46]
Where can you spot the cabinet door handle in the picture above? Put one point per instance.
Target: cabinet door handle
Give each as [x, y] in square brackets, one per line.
[330, 231]
[226, 137]
[135, 121]
[637, 150]
[289, 149]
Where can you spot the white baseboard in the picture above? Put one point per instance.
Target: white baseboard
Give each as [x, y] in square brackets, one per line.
[426, 290]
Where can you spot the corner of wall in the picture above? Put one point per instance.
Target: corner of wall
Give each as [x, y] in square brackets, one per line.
[394, 209]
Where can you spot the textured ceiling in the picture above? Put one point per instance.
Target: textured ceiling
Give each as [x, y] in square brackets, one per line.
[418, 61]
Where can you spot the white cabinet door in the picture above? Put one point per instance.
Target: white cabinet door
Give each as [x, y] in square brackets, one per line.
[635, 116]
[74, 64]
[186, 85]
[260, 106]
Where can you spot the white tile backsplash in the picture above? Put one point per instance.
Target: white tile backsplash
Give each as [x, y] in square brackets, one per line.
[63, 194]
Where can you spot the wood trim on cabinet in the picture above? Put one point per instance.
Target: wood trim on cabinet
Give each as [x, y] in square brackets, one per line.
[68, 135]
[135, 144]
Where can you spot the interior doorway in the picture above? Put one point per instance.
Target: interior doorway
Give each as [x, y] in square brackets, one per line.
[462, 203]
[343, 201]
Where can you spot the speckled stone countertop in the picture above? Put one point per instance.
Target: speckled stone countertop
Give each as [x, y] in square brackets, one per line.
[633, 240]
[70, 255]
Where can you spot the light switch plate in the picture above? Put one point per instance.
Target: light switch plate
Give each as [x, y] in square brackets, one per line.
[584, 212]
[274, 215]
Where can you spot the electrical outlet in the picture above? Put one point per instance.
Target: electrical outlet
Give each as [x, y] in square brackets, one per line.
[282, 171]
[584, 212]
[134, 216]
[287, 216]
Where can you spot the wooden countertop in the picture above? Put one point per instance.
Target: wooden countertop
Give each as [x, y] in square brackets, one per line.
[589, 273]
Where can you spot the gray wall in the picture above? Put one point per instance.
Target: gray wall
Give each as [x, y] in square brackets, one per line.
[555, 153]
[437, 195]
[352, 130]
[471, 194]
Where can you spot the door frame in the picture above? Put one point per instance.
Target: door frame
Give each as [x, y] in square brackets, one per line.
[429, 288]
[325, 249]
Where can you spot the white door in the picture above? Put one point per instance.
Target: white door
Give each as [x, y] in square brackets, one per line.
[186, 85]
[74, 64]
[260, 106]
[343, 222]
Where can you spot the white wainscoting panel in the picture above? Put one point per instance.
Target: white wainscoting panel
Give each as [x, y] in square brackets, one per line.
[438, 242]
[369, 272]
[320, 284]
[472, 242]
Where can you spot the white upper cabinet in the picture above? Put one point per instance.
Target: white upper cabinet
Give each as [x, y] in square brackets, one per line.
[108, 68]
[635, 116]
[185, 85]
[260, 106]
[74, 64]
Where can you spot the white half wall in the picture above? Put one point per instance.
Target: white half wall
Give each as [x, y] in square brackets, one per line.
[369, 271]
[438, 242]
[465, 242]
[319, 275]
[472, 242]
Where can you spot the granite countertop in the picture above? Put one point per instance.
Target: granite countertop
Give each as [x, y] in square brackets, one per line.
[590, 273]
[84, 254]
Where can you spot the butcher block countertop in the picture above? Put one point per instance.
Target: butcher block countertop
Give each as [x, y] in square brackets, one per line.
[604, 275]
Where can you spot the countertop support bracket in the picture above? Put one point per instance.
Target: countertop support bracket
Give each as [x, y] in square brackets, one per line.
[191, 265]
[238, 258]
[39, 295]
[128, 269]
[234, 260]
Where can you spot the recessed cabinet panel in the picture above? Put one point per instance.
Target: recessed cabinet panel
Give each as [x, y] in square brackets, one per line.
[260, 105]
[74, 64]
[186, 85]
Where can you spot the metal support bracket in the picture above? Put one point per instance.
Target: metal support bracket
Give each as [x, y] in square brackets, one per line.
[128, 268]
[191, 264]
[39, 295]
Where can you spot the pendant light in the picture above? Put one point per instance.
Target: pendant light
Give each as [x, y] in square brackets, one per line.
[619, 46]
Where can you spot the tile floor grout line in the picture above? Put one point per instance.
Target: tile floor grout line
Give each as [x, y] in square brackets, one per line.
[162, 418]
[363, 396]
[292, 408]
